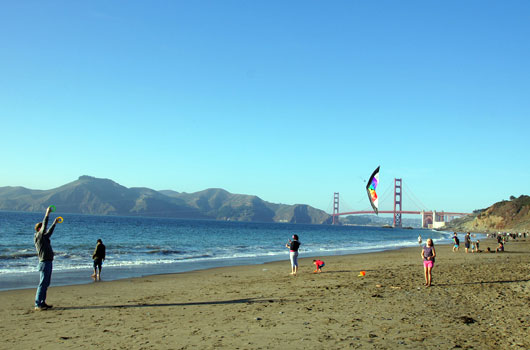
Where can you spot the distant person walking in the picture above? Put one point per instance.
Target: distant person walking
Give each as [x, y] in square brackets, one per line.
[45, 253]
[293, 253]
[467, 242]
[456, 242]
[419, 239]
[98, 257]
[428, 254]
[499, 239]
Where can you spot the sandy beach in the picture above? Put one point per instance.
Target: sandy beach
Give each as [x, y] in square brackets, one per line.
[477, 301]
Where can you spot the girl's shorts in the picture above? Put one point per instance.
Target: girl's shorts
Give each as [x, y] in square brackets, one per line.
[428, 263]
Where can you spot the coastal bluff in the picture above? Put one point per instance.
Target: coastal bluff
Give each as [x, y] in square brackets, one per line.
[507, 215]
[97, 196]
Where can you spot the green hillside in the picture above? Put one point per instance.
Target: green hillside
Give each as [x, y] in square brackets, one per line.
[90, 195]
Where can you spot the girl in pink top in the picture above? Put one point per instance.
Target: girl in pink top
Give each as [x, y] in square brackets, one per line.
[428, 254]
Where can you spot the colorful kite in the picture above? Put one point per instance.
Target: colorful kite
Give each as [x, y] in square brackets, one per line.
[370, 189]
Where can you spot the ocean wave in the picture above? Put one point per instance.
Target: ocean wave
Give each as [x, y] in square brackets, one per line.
[18, 255]
[203, 256]
[164, 251]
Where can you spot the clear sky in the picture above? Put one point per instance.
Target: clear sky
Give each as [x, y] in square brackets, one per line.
[287, 100]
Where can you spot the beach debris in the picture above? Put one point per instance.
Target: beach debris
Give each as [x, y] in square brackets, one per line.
[377, 296]
[362, 274]
[258, 318]
[378, 285]
[467, 319]
[395, 287]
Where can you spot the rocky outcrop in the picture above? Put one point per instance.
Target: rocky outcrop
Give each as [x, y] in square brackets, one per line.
[511, 215]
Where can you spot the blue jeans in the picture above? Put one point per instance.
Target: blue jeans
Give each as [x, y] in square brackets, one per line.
[45, 269]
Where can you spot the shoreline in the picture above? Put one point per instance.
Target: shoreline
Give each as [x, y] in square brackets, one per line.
[478, 300]
[70, 277]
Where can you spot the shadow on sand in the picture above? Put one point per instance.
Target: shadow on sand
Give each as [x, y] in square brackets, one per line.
[126, 306]
[480, 282]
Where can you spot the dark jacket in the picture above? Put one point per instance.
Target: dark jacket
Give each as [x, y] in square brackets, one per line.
[42, 241]
[99, 252]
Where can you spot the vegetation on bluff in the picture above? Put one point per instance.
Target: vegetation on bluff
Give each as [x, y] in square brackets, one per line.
[507, 215]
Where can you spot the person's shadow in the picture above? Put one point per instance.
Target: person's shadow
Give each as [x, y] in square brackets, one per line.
[197, 303]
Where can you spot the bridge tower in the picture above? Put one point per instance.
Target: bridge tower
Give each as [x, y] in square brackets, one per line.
[335, 208]
[397, 203]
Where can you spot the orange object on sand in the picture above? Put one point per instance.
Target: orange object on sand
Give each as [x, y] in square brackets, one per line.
[362, 274]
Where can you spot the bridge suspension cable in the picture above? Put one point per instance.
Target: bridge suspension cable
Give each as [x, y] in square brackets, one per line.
[345, 205]
[414, 199]
[387, 196]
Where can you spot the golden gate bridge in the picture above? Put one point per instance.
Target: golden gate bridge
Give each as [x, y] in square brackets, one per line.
[429, 219]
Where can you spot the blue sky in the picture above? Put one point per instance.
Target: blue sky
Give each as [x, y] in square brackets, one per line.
[287, 100]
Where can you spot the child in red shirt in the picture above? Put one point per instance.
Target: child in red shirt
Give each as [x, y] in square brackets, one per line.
[319, 265]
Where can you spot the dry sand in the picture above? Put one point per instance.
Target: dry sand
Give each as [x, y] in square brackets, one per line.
[477, 301]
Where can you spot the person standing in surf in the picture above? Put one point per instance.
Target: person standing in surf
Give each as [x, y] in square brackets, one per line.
[293, 253]
[98, 257]
[45, 253]
[428, 254]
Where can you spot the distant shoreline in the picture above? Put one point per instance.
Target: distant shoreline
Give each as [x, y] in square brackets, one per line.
[29, 280]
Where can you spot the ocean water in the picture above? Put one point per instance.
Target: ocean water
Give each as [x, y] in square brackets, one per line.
[138, 246]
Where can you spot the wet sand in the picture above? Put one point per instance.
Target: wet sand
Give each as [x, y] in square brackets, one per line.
[477, 301]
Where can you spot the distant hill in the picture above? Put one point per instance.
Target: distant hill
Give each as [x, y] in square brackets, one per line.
[90, 195]
[512, 215]
[223, 205]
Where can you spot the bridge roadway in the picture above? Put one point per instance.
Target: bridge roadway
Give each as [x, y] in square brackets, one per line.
[439, 213]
